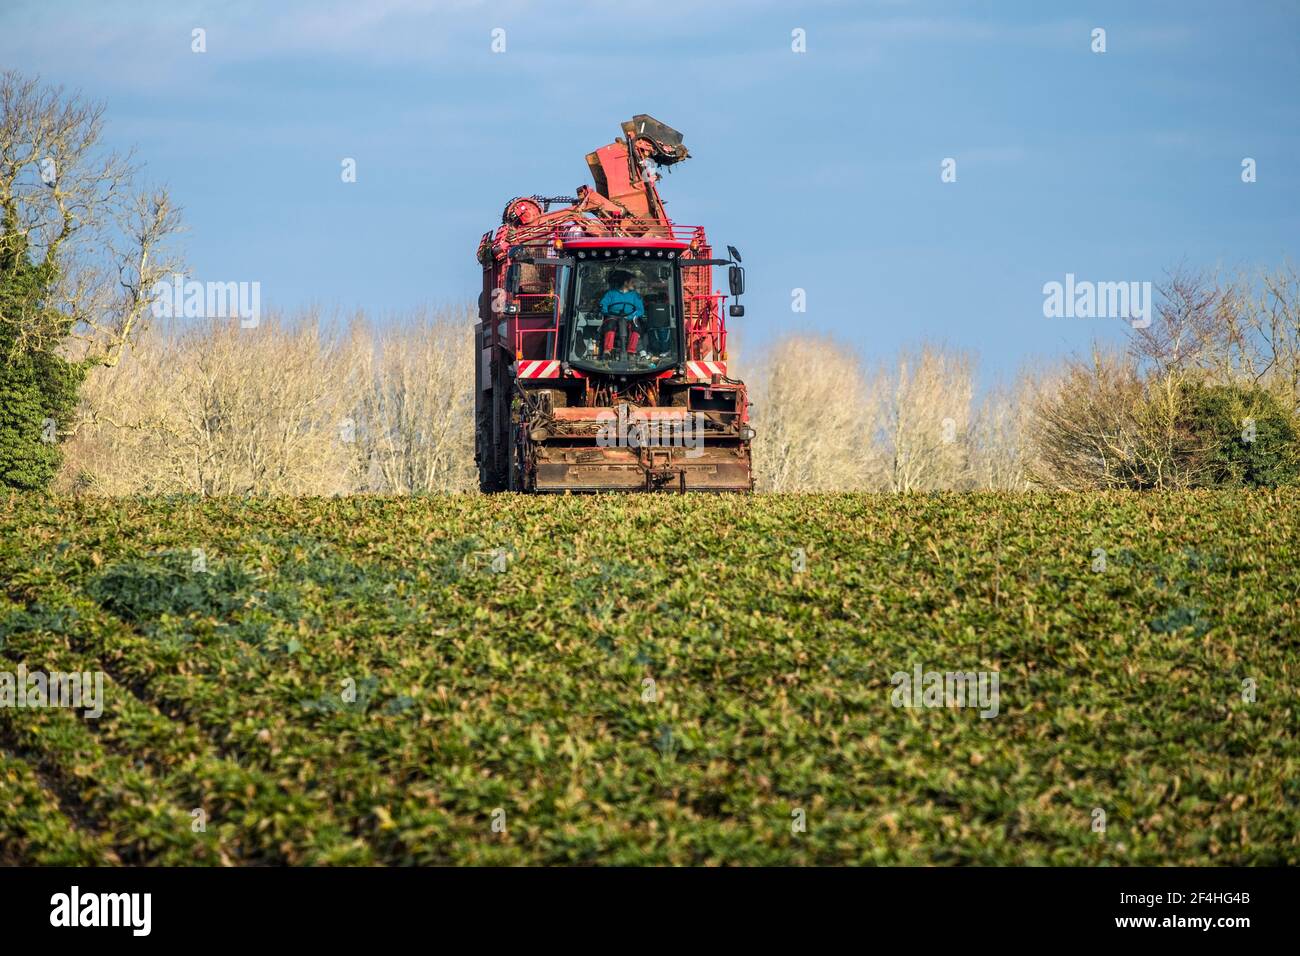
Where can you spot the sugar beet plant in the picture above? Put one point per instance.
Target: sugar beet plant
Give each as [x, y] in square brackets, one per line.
[1090, 679]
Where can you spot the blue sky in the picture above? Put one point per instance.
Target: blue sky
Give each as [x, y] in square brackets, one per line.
[822, 167]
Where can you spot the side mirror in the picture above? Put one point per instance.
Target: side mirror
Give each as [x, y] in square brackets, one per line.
[736, 311]
[512, 278]
[736, 279]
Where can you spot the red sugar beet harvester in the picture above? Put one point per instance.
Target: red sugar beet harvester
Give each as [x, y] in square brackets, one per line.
[601, 342]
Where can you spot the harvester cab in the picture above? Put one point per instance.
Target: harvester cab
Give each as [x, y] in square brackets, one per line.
[601, 343]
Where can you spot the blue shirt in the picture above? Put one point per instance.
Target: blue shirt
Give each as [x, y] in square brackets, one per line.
[614, 296]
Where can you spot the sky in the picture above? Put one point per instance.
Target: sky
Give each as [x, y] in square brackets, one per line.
[823, 167]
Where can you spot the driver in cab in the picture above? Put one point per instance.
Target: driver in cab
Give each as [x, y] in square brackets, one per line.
[623, 309]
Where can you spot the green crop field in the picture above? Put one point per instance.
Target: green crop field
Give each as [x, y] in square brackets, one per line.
[669, 680]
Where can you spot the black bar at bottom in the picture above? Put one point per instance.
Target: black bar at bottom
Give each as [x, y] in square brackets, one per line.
[337, 906]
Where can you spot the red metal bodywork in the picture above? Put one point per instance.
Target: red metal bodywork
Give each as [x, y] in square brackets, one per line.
[542, 425]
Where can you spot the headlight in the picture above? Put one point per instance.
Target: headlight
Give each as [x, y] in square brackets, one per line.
[746, 433]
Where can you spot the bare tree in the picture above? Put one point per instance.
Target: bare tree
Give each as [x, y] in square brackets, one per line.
[826, 423]
[1270, 311]
[810, 402]
[1243, 332]
[1197, 326]
[1124, 419]
[293, 406]
[922, 429]
[218, 409]
[1105, 424]
[416, 412]
[1001, 453]
[72, 213]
